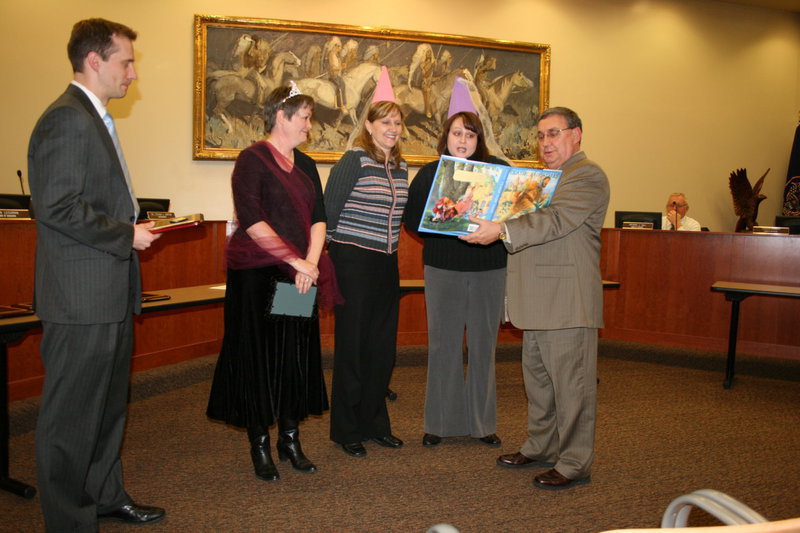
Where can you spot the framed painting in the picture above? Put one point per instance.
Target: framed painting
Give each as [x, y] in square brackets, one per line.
[239, 61]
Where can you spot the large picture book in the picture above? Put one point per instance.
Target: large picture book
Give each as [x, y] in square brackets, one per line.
[464, 188]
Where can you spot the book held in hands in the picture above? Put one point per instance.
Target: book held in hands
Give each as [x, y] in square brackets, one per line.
[168, 224]
[463, 188]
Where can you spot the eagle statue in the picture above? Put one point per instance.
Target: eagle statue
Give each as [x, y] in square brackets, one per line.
[746, 198]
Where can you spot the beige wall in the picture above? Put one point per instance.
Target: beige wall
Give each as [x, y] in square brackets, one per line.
[673, 94]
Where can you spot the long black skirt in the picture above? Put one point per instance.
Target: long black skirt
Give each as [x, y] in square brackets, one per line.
[270, 368]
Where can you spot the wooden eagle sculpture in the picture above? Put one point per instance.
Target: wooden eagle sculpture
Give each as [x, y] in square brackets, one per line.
[746, 199]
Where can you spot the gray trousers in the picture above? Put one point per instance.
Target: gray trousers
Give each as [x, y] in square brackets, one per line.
[82, 421]
[560, 371]
[456, 405]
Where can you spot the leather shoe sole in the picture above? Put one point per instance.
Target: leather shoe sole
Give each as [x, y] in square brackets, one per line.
[429, 439]
[389, 441]
[355, 449]
[517, 460]
[134, 514]
[554, 480]
[491, 439]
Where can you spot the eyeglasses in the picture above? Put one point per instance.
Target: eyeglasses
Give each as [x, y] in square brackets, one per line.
[551, 133]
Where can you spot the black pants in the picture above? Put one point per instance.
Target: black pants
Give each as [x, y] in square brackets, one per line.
[366, 342]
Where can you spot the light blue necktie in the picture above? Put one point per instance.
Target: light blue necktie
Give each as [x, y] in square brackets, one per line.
[109, 122]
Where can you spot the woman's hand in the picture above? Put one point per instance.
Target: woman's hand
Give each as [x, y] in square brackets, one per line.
[307, 274]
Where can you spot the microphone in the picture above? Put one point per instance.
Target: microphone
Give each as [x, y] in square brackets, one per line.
[675, 208]
[21, 186]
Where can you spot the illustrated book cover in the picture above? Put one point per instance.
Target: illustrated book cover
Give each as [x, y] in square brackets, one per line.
[464, 188]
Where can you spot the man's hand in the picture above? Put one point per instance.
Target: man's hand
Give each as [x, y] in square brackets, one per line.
[487, 232]
[142, 237]
[674, 218]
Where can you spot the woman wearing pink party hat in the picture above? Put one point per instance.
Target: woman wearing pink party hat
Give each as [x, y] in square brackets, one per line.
[364, 200]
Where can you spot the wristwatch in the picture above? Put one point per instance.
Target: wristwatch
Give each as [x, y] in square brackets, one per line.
[501, 236]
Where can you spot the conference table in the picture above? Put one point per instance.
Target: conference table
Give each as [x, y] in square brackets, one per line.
[736, 293]
[14, 328]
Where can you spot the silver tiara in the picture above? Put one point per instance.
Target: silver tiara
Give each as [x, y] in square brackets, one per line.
[294, 91]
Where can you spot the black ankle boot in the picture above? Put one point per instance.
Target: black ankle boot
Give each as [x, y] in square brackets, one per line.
[263, 465]
[289, 448]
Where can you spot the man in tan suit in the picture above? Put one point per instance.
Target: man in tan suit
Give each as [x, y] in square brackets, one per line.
[555, 294]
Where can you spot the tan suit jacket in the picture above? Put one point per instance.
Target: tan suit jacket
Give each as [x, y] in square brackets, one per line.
[554, 277]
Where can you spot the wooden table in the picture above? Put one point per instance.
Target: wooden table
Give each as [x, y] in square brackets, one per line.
[12, 329]
[735, 293]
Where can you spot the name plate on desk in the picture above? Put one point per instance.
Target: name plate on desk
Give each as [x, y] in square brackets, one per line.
[770, 230]
[637, 225]
[159, 215]
[15, 214]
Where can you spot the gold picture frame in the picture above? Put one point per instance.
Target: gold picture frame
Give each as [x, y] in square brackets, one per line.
[238, 61]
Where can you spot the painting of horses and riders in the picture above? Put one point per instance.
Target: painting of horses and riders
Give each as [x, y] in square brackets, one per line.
[238, 62]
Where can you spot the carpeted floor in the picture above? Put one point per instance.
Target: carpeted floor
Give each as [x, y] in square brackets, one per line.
[666, 427]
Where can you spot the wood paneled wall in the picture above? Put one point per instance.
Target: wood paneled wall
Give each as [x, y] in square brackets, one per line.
[664, 296]
[665, 289]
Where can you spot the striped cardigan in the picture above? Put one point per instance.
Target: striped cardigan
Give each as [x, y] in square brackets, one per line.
[364, 202]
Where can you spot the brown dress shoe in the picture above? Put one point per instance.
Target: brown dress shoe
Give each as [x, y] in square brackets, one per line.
[554, 480]
[517, 460]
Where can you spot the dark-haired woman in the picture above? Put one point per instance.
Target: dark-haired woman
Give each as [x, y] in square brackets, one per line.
[464, 289]
[364, 200]
[269, 369]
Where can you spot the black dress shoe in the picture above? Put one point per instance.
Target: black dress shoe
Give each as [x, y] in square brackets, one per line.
[389, 441]
[133, 513]
[429, 439]
[356, 449]
[517, 460]
[554, 480]
[492, 440]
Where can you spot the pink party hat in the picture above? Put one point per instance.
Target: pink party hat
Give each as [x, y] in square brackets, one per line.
[460, 99]
[384, 91]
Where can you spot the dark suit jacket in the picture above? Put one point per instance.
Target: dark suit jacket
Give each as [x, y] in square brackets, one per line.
[553, 279]
[86, 269]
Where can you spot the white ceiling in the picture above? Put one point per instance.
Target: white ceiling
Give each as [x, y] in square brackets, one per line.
[787, 5]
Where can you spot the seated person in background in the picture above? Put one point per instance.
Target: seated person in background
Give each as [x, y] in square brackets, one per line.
[677, 206]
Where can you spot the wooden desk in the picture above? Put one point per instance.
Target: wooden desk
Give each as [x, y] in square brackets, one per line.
[735, 293]
[664, 295]
[12, 329]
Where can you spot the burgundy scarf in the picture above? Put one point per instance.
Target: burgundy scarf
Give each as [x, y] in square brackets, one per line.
[287, 210]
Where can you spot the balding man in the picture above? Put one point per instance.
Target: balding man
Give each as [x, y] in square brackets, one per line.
[676, 218]
[554, 293]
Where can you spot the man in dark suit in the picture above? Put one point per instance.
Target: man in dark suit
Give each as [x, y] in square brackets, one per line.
[555, 294]
[86, 285]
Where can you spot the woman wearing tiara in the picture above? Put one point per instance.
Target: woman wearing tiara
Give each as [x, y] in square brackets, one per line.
[269, 370]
